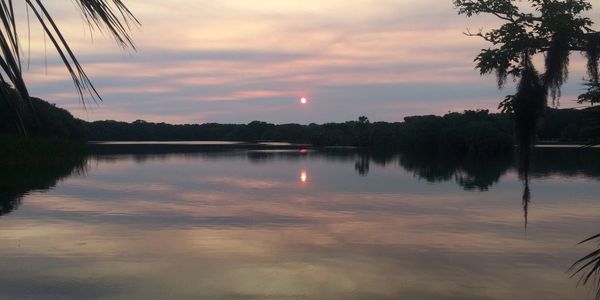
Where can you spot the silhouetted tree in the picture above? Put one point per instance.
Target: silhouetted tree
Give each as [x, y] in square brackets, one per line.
[553, 28]
[48, 122]
[106, 15]
[466, 133]
[589, 267]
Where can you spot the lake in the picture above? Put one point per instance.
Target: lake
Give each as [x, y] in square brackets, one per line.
[198, 221]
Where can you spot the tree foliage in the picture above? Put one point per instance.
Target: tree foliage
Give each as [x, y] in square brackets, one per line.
[110, 16]
[553, 28]
[49, 121]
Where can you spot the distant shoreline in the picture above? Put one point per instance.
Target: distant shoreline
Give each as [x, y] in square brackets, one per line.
[278, 144]
[566, 146]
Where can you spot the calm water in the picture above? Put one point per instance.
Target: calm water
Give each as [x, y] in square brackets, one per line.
[177, 222]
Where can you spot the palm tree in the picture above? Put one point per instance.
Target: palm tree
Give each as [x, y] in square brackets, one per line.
[110, 16]
[589, 267]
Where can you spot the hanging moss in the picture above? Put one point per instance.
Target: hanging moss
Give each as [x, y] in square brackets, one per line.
[592, 54]
[528, 108]
[557, 65]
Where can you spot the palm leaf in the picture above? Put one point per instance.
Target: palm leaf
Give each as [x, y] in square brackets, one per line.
[588, 267]
[105, 15]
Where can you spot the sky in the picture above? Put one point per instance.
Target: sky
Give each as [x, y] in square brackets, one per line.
[235, 61]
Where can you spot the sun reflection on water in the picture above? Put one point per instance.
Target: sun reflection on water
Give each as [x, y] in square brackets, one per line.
[304, 176]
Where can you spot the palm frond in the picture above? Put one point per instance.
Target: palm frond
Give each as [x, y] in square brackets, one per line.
[588, 267]
[105, 15]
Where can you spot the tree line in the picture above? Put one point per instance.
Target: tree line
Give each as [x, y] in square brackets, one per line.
[468, 132]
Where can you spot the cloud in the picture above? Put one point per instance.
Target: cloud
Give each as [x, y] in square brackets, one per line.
[236, 61]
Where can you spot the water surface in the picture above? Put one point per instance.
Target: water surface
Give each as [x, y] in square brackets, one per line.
[190, 222]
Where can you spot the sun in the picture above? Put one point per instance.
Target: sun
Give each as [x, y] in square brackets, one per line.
[303, 100]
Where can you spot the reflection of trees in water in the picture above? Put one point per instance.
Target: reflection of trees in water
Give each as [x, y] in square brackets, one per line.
[480, 173]
[19, 179]
[362, 164]
[526, 200]
[364, 158]
[471, 173]
[578, 162]
[141, 153]
[524, 171]
[566, 162]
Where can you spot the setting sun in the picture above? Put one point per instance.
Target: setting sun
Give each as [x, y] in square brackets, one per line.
[403, 173]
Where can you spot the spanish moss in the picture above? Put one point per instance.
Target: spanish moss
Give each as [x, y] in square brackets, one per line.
[592, 54]
[557, 65]
[528, 108]
[501, 75]
[526, 200]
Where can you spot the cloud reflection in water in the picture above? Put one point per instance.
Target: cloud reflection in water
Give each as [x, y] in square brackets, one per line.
[237, 225]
